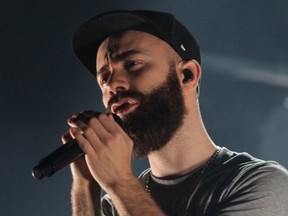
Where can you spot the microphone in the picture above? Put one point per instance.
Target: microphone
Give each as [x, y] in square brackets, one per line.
[60, 158]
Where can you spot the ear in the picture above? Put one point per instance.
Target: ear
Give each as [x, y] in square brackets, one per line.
[190, 74]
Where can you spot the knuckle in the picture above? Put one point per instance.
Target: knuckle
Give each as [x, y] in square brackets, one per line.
[88, 131]
[83, 144]
[113, 139]
[102, 116]
[117, 136]
[93, 123]
[108, 140]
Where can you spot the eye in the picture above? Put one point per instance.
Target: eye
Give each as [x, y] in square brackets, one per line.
[130, 64]
[104, 78]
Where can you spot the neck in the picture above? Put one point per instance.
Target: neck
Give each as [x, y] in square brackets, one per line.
[188, 149]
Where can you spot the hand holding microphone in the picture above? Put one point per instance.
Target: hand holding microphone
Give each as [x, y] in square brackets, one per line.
[67, 153]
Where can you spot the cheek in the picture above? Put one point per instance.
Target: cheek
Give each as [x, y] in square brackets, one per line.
[149, 81]
[105, 97]
[105, 100]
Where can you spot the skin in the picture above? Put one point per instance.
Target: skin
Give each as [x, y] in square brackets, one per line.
[108, 149]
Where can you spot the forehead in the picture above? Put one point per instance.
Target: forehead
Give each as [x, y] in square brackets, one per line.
[132, 40]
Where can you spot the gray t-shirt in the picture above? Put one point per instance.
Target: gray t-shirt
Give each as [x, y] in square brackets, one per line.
[234, 184]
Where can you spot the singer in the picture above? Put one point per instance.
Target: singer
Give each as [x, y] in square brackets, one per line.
[148, 67]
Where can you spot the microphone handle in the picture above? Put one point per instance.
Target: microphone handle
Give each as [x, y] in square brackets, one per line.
[61, 157]
[57, 160]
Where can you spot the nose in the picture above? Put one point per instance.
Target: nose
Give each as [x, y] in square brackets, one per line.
[117, 82]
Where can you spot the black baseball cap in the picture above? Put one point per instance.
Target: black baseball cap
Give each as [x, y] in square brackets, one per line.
[89, 36]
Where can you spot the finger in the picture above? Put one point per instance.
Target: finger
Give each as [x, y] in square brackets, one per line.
[86, 115]
[66, 137]
[101, 117]
[102, 129]
[79, 117]
[88, 131]
[83, 143]
[91, 113]
[96, 123]
[113, 132]
[98, 130]
[109, 123]
[97, 114]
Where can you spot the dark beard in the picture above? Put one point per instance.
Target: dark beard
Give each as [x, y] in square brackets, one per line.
[157, 118]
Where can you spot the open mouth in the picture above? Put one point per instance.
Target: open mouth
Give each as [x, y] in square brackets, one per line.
[124, 106]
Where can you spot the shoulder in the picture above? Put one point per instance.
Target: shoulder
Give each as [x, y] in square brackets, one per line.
[243, 164]
[241, 168]
[241, 181]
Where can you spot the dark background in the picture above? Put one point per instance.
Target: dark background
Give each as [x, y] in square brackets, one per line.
[244, 94]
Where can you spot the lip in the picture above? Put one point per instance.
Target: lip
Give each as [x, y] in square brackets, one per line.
[124, 106]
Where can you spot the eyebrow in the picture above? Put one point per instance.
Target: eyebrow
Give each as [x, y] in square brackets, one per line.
[124, 55]
[117, 57]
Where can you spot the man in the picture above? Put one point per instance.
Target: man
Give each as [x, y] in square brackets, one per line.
[147, 65]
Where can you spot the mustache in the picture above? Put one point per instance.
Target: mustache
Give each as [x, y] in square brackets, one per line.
[119, 96]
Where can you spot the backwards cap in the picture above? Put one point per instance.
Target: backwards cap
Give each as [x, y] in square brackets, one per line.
[89, 36]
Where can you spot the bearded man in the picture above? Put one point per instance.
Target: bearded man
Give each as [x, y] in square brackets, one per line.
[147, 65]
